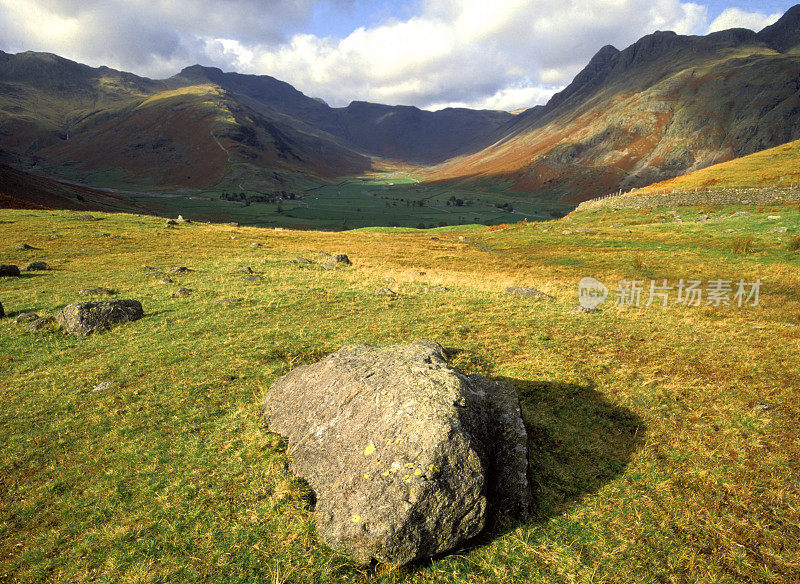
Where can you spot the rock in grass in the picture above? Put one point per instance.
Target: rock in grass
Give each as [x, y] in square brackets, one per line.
[104, 386]
[245, 270]
[24, 317]
[179, 270]
[182, 293]
[85, 218]
[165, 280]
[255, 245]
[24, 247]
[9, 271]
[170, 223]
[228, 301]
[528, 292]
[407, 455]
[384, 291]
[83, 318]
[251, 278]
[99, 291]
[584, 310]
[341, 258]
[36, 266]
[180, 219]
[40, 323]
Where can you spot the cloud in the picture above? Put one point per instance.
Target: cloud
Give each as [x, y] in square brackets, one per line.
[506, 54]
[738, 18]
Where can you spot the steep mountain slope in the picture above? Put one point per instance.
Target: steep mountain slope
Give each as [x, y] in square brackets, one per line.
[202, 125]
[398, 132]
[775, 166]
[666, 105]
[20, 190]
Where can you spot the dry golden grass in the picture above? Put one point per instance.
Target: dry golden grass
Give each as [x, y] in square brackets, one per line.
[664, 440]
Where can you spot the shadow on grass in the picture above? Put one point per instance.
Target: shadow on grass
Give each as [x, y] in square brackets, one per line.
[578, 441]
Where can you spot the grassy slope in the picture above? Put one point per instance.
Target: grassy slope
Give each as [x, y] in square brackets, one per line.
[776, 166]
[652, 459]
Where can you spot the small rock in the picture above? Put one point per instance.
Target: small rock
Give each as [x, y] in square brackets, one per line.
[385, 292]
[180, 219]
[418, 273]
[104, 386]
[779, 230]
[96, 292]
[83, 318]
[101, 234]
[763, 407]
[228, 301]
[301, 260]
[36, 266]
[625, 231]
[23, 247]
[24, 317]
[702, 218]
[741, 214]
[182, 293]
[774, 217]
[10, 271]
[179, 270]
[165, 280]
[584, 310]
[341, 258]
[730, 231]
[234, 224]
[85, 218]
[245, 269]
[528, 292]
[255, 245]
[251, 278]
[566, 232]
[40, 323]
[170, 222]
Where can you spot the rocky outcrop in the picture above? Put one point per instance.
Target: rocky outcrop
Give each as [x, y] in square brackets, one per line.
[407, 456]
[83, 318]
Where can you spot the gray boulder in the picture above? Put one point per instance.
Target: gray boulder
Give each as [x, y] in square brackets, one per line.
[407, 456]
[24, 317]
[9, 270]
[83, 318]
[40, 323]
[36, 266]
[182, 293]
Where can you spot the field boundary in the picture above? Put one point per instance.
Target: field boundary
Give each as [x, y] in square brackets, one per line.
[690, 198]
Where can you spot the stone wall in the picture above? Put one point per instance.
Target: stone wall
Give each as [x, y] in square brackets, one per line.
[689, 198]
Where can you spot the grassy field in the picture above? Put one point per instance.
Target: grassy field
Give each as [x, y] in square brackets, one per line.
[664, 441]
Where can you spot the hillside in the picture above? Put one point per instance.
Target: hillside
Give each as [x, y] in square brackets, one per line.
[779, 166]
[663, 440]
[666, 105]
[203, 128]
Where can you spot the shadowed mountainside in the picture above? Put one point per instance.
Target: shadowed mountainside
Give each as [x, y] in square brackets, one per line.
[666, 105]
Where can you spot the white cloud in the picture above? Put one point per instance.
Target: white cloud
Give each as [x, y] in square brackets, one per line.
[738, 18]
[506, 54]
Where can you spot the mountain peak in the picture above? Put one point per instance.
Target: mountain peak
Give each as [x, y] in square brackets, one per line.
[785, 33]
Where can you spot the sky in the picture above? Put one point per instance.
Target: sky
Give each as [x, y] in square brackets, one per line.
[502, 54]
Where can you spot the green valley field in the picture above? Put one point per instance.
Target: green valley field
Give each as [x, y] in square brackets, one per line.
[663, 440]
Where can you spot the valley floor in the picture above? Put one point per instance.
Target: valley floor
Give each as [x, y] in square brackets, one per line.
[664, 440]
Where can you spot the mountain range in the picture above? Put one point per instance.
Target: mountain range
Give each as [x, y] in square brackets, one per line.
[666, 105]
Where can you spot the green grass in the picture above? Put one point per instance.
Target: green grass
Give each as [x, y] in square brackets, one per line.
[664, 440]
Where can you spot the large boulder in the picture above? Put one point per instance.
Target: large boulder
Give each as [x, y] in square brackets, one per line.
[407, 456]
[83, 318]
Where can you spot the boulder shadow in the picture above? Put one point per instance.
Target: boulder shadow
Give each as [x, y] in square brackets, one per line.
[578, 441]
